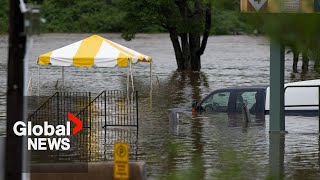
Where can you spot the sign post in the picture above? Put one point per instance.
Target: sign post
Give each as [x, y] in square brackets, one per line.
[121, 161]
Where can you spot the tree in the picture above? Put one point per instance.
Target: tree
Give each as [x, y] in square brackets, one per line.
[187, 21]
[4, 15]
[90, 16]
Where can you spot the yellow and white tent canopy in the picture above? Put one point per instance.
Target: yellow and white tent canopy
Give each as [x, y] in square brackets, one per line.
[93, 51]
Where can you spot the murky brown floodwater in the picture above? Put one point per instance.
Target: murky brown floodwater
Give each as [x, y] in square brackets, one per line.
[210, 145]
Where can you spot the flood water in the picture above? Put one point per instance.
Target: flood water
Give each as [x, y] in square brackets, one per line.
[206, 146]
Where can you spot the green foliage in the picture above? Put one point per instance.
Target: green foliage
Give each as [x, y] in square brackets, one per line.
[81, 16]
[234, 165]
[129, 17]
[196, 171]
[140, 16]
[298, 31]
[227, 18]
[229, 22]
[4, 15]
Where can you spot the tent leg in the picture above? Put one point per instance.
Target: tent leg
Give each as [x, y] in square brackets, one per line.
[128, 82]
[38, 81]
[131, 75]
[151, 83]
[62, 78]
[151, 76]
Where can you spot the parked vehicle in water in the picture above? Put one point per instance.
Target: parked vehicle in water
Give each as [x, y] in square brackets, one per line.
[301, 98]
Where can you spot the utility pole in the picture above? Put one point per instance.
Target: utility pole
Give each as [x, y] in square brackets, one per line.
[15, 162]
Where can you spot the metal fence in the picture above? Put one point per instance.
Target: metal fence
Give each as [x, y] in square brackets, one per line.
[55, 110]
[110, 117]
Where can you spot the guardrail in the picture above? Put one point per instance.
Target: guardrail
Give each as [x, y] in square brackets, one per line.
[306, 105]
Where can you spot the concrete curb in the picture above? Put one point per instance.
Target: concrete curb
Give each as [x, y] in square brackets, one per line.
[85, 171]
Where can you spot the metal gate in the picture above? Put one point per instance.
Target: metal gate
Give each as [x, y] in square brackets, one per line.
[54, 110]
[110, 117]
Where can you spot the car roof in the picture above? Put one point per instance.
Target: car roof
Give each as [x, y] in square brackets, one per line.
[244, 88]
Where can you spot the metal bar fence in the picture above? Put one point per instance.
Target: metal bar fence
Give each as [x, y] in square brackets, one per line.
[111, 117]
[55, 110]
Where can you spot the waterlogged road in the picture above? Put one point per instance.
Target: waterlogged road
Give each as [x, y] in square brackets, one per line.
[210, 146]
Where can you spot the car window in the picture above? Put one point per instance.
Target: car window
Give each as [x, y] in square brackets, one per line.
[248, 98]
[217, 102]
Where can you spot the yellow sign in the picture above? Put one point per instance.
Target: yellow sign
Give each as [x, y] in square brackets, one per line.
[121, 161]
[279, 6]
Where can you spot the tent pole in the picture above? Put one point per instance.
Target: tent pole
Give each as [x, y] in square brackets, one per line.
[38, 80]
[62, 78]
[128, 81]
[151, 76]
[131, 74]
[151, 83]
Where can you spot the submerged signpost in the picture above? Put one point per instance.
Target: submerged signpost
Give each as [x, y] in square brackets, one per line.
[121, 161]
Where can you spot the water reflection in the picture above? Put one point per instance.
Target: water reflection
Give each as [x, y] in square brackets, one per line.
[198, 148]
[237, 119]
[310, 75]
[187, 85]
[279, 159]
[276, 155]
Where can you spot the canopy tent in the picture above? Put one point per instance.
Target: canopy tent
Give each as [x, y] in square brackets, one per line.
[93, 51]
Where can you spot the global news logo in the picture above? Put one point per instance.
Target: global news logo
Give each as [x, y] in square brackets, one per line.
[48, 137]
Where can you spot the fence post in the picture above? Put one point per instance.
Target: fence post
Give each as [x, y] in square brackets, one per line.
[137, 109]
[319, 107]
[89, 113]
[58, 120]
[105, 108]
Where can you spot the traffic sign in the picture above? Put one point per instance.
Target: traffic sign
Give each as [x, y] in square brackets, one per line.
[121, 161]
[280, 6]
[258, 4]
[254, 5]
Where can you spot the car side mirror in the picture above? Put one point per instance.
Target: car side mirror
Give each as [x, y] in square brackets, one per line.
[194, 106]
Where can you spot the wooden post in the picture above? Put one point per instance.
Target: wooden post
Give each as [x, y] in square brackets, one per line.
[15, 163]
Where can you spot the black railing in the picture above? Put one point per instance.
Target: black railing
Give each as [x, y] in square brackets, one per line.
[306, 105]
[110, 117]
[3, 107]
[55, 110]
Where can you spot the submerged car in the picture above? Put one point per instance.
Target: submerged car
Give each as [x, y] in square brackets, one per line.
[301, 98]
